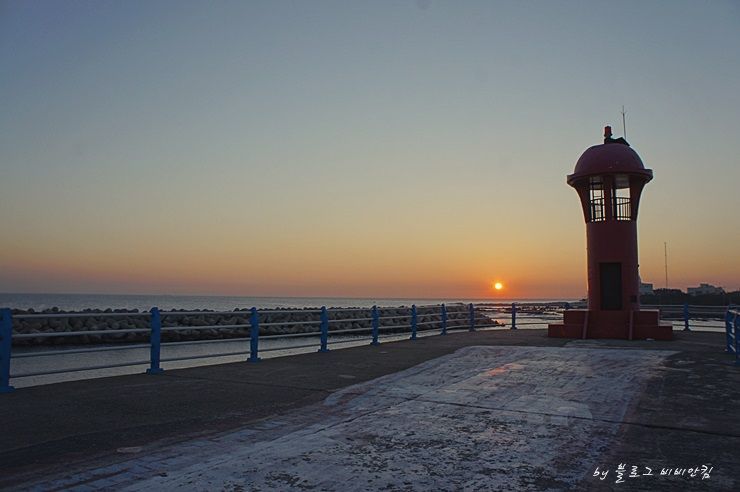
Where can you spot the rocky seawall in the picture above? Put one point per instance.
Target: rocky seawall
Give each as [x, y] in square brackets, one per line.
[113, 325]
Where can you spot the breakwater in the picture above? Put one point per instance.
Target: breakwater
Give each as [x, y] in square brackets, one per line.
[210, 325]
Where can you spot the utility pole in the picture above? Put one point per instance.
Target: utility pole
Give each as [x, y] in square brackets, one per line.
[665, 253]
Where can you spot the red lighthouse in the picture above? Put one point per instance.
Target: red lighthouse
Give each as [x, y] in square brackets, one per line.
[609, 179]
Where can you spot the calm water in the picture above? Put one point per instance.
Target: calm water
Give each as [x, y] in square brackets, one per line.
[75, 302]
[211, 353]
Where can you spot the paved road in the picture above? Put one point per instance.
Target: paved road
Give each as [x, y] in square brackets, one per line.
[666, 405]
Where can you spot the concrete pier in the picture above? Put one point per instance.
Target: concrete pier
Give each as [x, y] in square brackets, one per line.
[490, 410]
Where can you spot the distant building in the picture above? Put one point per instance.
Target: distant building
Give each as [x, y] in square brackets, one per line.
[646, 289]
[704, 289]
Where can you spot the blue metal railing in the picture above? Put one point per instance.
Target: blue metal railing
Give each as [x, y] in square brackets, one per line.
[6, 336]
[155, 342]
[732, 326]
[441, 319]
[435, 319]
[254, 335]
[689, 315]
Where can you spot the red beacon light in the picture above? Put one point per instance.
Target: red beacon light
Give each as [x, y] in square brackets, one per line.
[609, 179]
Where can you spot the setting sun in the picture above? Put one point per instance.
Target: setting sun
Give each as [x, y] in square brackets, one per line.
[498, 286]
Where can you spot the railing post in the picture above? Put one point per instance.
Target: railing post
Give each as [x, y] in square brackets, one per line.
[471, 310]
[413, 322]
[444, 320]
[324, 329]
[6, 344]
[737, 325]
[155, 342]
[728, 330]
[686, 317]
[376, 326]
[513, 315]
[254, 336]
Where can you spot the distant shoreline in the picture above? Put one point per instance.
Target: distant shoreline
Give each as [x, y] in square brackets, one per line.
[79, 302]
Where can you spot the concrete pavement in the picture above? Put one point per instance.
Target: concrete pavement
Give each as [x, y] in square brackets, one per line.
[679, 412]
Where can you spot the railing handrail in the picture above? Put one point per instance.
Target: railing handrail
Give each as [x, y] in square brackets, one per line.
[419, 319]
[718, 306]
[438, 314]
[78, 315]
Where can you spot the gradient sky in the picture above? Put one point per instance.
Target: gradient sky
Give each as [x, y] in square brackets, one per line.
[340, 148]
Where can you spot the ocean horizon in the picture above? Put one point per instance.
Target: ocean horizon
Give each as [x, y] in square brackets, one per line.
[144, 302]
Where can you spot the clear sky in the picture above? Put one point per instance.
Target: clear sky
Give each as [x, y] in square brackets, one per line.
[341, 148]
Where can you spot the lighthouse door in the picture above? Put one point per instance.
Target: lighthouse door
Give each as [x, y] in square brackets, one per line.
[611, 286]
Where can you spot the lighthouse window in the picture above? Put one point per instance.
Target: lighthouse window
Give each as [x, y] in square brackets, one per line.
[621, 198]
[596, 200]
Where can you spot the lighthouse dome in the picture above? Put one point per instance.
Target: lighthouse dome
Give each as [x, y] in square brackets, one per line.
[614, 156]
[609, 158]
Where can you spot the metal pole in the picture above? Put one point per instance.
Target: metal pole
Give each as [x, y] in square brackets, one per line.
[471, 311]
[376, 326]
[413, 322]
[728, 331]
[737, 324]
[513, 315]
[6, 344]
[686, 317]
[444, 320]
[624, 123]
[324, 329]
[665, 253]
[155, 341]
[254, 336]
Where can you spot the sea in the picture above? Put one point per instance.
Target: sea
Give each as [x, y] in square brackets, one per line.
[144, 302]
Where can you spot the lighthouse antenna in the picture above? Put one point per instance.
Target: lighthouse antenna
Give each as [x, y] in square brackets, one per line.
[624, 123]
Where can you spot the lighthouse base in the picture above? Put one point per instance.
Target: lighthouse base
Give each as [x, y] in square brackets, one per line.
[623, 325]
